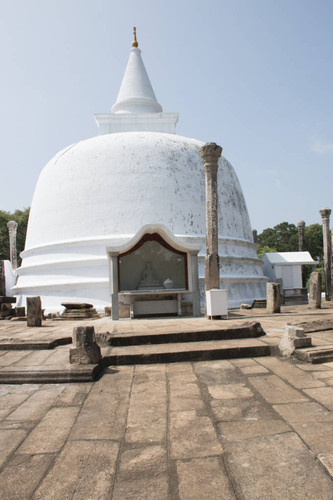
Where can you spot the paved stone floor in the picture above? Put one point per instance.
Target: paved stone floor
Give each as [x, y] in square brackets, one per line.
[255, 428]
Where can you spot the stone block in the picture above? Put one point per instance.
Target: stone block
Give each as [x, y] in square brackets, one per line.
[273, 298]
[19, 312]
[107, 311]
[34, 311]
[86, 350]
[293, 338]
[315, 291]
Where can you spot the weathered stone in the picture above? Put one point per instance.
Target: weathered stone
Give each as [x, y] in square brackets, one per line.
[34, 311]
[315, 291]
[30, 470]
[293, 338]
[210, 154]
[192, 436]
[274, 390]
[78, 310]
[203, 478]
[254, 235]
[50, 434]
[84, 469]
[325, 216]
[12, 229]
[86, 350]
[322, 394]
[19, 312]
[276, 467]
[242, 430]
[107, 311]
[273, 298]
[142, 475]
[2, 278]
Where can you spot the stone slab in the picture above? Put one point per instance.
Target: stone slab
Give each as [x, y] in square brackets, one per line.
[203, 478]
[304, 412]
[92, 423]
[275, 390]
[30, 470]
[230, 391]
[288, 371]
[51, 433]
[238, 409]
[84, 469]
[323, 395]
[10, 439]
[37, 404]
[317, 435]
[142, 475]
[276, 467]
[192, 436]
[243, 430]
[326, 459]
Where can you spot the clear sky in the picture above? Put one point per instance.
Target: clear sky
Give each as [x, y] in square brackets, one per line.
[255, 76]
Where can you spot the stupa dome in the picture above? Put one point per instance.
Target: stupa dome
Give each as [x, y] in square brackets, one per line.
[99, 193]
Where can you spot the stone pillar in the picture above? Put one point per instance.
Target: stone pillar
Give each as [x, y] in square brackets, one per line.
[195, 284]
[325, 216]
[34, 311]
[12, 229]
[2, 279]
[113, 263]
[254, 235]
[86, 351]
[273, 298]
[210, 153]
[301, 228]
[315, 291]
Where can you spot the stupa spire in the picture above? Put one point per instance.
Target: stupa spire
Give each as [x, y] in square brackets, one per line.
[136, 94]
[135, 42]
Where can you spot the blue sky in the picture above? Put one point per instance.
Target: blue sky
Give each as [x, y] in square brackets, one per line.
[255, 76]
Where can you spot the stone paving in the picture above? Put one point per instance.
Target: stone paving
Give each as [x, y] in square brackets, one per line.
[254, 428]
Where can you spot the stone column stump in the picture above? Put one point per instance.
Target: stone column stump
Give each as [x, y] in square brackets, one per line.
[273, 298]
[86, 351]
[34, 311]
[315, 291]
[293, 338]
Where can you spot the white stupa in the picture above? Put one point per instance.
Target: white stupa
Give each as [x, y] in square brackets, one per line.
[136, 193]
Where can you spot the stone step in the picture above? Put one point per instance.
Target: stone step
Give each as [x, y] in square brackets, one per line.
[246, 330]
[315, 355]
[32, 345]
[49, 374]
[184, 351]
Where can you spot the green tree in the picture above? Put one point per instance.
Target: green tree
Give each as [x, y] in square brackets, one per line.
[282, 238]
[313, 241]
[21, 217]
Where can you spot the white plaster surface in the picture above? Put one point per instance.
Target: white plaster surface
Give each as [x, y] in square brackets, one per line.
[100, 192]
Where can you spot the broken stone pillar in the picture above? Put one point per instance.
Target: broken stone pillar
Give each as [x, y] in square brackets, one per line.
[12, 230]
[210, 153]
[293, 338]
[86, 351]
[34, 311]
[254, 235]
[2, 279]
[315, 291]
[273, 298]
[325, 216]
[301, 229]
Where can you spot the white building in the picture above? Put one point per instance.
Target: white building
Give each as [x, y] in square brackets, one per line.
[129, 199]
[286, 268]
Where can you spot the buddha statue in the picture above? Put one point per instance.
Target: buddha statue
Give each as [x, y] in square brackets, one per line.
[149, 279]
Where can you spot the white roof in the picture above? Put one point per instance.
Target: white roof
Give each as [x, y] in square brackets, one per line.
[290, 258]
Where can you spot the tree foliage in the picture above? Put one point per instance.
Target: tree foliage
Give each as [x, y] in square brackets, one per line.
[284, 238]
[21, 217]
